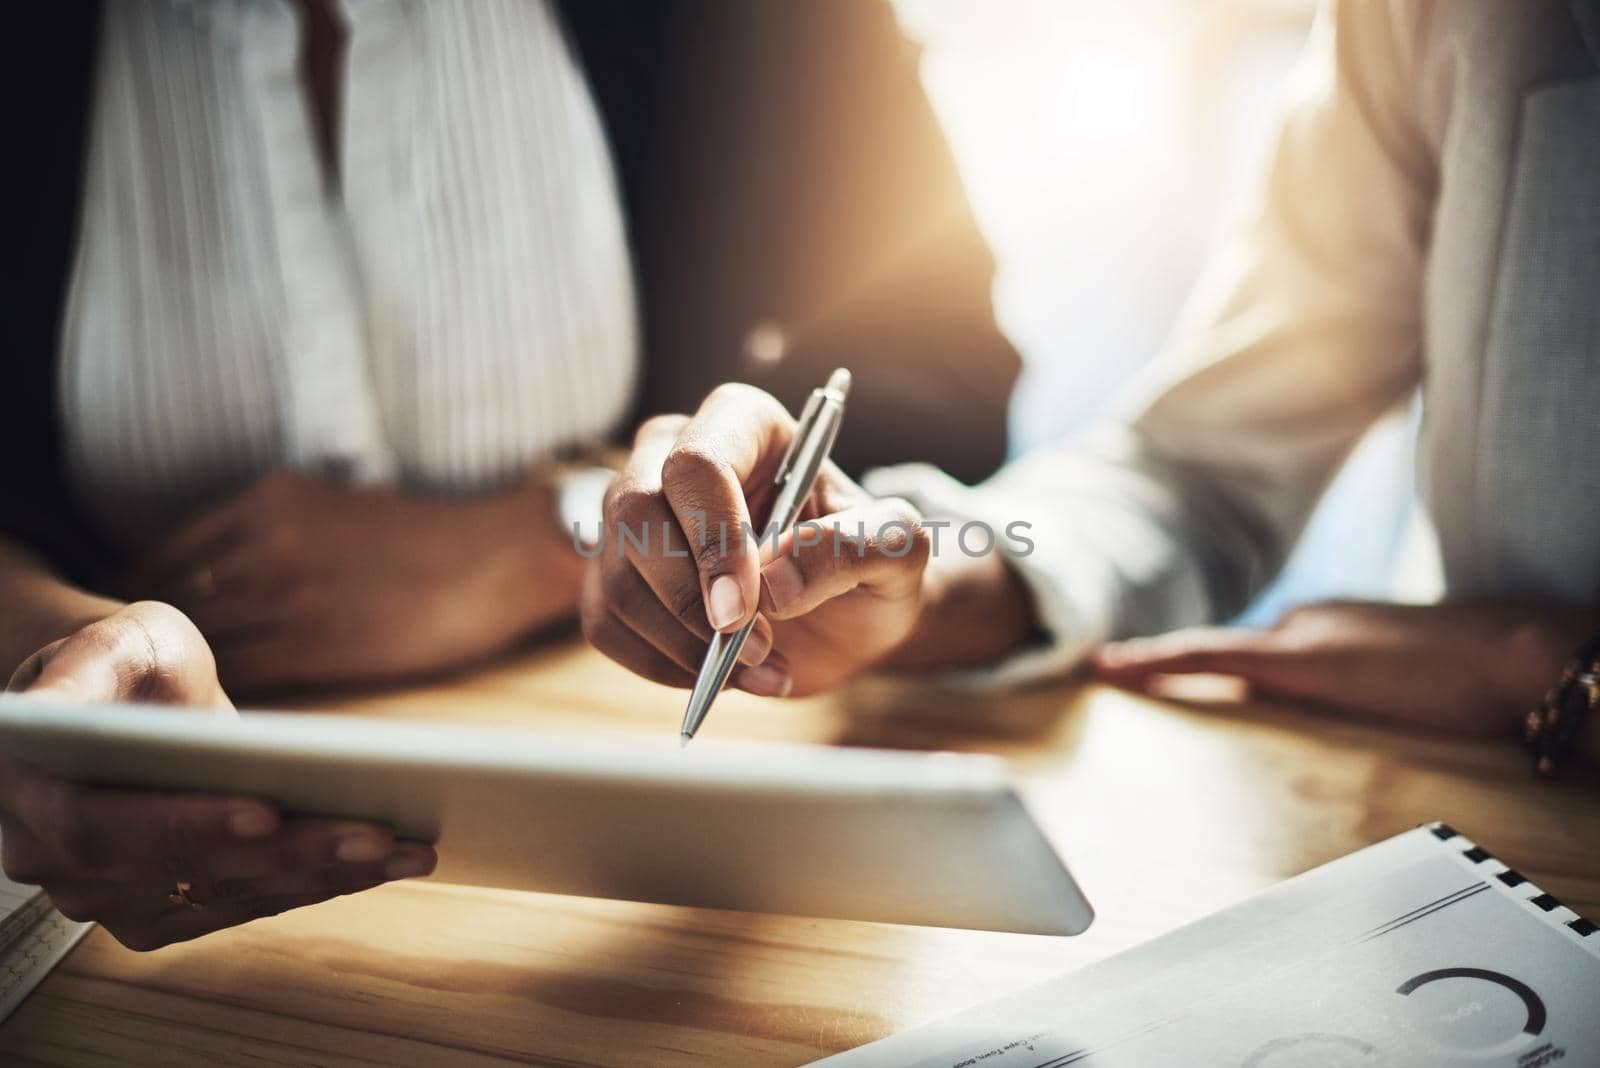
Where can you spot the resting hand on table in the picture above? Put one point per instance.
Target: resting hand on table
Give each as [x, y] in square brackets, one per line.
[298, 581]
[115, 856]
[825, 607]
[1474, 668]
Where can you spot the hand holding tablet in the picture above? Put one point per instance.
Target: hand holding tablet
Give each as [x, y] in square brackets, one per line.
[140, 862]
[935, 839]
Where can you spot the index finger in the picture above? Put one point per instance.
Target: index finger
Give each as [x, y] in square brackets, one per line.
[195, 540]
[737, 437]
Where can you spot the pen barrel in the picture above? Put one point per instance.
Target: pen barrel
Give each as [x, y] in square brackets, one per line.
[813, 442]
[722, 655]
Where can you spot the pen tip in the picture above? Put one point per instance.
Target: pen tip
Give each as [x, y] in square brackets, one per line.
[683, 740]
[839, 381]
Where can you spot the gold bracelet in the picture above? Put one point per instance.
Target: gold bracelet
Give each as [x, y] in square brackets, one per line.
[1551, 729]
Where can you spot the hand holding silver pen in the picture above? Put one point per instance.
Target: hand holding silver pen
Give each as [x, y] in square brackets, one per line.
[761, 604]
[808, 450]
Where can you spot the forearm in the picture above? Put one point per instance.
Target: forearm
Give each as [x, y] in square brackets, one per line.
[536, 557]
[38, 607]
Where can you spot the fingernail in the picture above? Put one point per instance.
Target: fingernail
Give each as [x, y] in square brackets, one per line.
[362, 847]
[756, 648]
[726, 604]
[766, 680]
[784, 582]
[252, 821]
[408, 862]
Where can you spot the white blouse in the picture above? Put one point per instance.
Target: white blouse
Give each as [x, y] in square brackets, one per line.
[460, 309]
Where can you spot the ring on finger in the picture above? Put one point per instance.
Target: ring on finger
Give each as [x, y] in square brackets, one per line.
[182, 895]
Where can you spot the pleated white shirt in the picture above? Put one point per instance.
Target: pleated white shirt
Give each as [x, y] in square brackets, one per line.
[460, 308]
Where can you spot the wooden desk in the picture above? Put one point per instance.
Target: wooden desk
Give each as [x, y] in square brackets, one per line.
[1166, 814]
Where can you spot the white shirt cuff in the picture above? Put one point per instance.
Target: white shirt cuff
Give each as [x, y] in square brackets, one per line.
[1060, 582]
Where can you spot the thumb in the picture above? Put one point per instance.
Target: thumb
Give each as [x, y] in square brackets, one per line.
[26, 677]
[881, 546]
[76, 668]
[144, 652]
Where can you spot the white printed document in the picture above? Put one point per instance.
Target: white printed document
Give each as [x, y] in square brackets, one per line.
[33, 938]
[1420, 950]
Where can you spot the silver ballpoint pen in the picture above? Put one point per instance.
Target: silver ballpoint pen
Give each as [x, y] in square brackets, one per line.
[808, 451]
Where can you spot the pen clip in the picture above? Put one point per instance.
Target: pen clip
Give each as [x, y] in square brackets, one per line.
[802, 430]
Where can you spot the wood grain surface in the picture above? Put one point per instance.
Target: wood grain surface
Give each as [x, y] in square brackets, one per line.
[1165, 812]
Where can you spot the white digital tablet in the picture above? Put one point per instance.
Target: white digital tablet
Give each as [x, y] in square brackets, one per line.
[938, 839]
